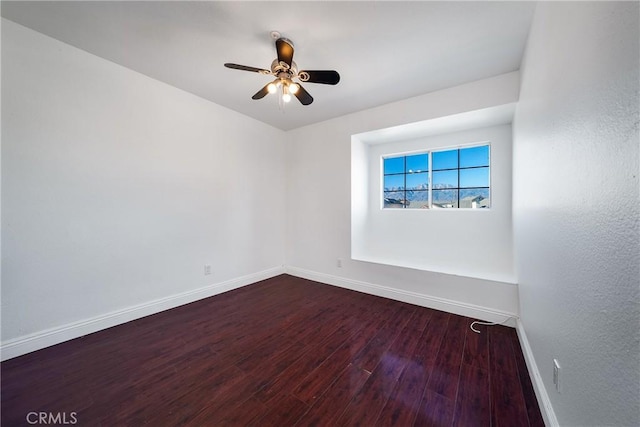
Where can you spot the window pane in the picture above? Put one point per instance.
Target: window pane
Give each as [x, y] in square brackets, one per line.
[445, 198]
[445, 179]
[394, 182]
[394, 165]
[417, 199]
[474, 156]
[475, 198]
[394, 199]
[417, 181]
[417, 163]
[476, 177]
[460, 179]
[445, 159]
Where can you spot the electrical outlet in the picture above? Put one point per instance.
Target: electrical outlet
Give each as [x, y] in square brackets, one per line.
[339, 263]
[207, 269]
[556, 374]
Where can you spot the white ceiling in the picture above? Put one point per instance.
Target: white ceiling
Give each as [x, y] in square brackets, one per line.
[384, 51]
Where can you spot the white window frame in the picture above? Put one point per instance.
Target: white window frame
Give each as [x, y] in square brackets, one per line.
[429, 153]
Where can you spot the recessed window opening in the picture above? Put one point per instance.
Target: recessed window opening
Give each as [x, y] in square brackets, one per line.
[438, 179]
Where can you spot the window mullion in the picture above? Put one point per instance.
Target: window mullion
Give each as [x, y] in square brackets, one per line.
[404, 166]
[458, 201]
[430, 181]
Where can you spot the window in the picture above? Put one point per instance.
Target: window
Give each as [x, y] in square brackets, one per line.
[456, 178]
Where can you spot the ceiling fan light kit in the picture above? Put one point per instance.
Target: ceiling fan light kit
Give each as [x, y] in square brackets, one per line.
[285, 70]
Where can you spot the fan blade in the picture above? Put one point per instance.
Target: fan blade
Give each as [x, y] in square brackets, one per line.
[247, 68]
[327, 77]
[303, 96]
[261, 93]
[285, 50]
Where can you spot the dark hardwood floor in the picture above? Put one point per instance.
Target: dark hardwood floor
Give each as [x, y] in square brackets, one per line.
[281, 352]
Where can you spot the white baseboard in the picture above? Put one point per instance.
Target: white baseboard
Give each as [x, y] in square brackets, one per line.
[437, 303]
[36, 341]
[28, 343]
[546, 408]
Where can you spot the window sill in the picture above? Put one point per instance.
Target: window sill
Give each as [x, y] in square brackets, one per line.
[508, 278]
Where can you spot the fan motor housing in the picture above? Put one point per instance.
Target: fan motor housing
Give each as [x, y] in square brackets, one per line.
[282, 70]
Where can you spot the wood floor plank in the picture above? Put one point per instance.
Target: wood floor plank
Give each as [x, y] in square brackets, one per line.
[275, 363]
[318, 380]
[313, 357]
[435, 410]
[531, 402]
[262, 353]
[284, 410]
[406, 341]
[402, 405]
[507, 398]
[446, 371]
[429, 345]
[321, 377]
[476, 347]
[473, 400]
[366, 405]
[246, 413]
[212, 394]
[370, 355]
[332, 403]
[284, 351]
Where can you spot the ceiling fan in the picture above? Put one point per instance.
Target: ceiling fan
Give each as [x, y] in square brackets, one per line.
[285, 71]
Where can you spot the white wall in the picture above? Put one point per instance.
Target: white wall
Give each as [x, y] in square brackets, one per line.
[117, 190]
[319, 206]
[472, 243]
[576, 208]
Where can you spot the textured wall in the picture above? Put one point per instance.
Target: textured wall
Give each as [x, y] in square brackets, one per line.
[576, 207]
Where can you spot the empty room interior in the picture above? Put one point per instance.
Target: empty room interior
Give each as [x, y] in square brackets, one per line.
[320, 213]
